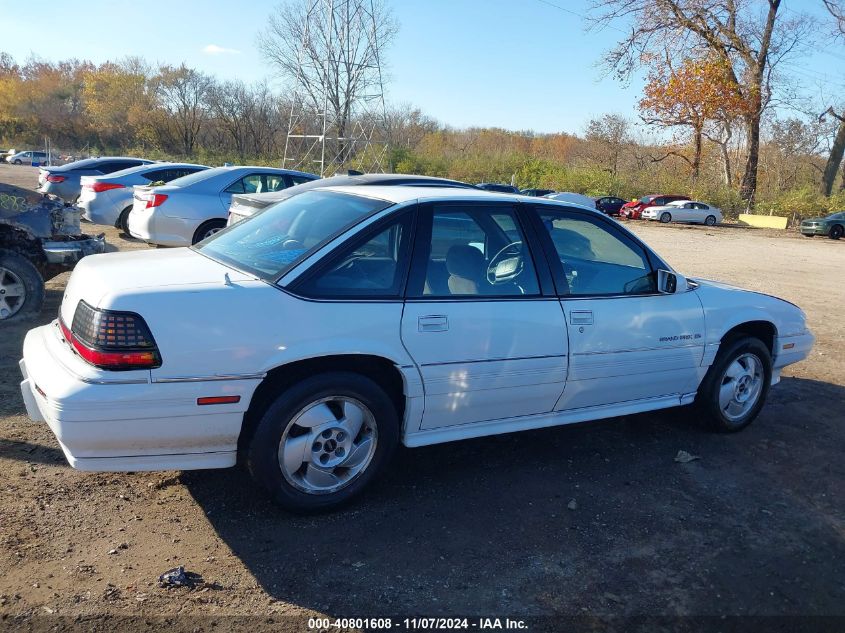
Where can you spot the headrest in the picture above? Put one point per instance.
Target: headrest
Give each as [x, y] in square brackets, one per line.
[465, 261]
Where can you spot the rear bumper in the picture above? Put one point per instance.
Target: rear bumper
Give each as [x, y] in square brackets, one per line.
[103, 424]
[68, 191]
[103, 208]
[156, 228]
[70, 252]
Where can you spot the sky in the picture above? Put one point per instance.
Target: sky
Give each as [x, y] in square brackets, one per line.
[515, 64]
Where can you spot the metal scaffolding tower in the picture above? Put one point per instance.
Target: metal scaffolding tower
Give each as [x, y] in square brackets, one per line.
[325, 128]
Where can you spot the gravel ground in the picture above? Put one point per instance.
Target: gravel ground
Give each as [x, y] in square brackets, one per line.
[594, 519]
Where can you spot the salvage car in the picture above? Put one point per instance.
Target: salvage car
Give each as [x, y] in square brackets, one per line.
[108, 199]
[246, 205]
[40, 237]
[66, 181]
[689, 211]
[833, 226]
[189, 209]
[313, 339]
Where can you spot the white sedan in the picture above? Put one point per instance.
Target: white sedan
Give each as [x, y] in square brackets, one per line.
[311, 340]
[684, 211]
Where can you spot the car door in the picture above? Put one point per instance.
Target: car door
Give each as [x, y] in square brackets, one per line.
[480, 319]
[627, 342]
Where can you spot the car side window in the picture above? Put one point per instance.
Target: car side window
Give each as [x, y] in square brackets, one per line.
[474, 251]
[595, 258]
[298, 180]
[373, 266]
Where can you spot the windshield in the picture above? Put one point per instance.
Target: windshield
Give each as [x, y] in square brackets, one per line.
[276, 238]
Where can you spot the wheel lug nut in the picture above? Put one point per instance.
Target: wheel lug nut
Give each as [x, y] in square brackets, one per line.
[340, 452]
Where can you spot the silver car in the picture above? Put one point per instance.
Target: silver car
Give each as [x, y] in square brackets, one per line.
[28, 158]
[108, 199]
[65, 181]
[189, 209]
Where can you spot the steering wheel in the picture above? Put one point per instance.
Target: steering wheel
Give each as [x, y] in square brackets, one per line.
[519, 265]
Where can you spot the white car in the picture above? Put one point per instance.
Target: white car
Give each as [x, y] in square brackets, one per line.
[315, 337]
[187, 210]
[684, 211]
[108, 199]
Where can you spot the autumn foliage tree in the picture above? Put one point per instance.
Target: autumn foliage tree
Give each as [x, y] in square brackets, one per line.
[689, 97]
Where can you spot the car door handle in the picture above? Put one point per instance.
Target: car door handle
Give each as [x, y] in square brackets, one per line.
[581, 317]
[433, 323]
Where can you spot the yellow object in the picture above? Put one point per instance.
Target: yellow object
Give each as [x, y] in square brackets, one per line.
[763, 221]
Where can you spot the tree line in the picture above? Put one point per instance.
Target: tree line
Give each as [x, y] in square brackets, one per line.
[710, 122]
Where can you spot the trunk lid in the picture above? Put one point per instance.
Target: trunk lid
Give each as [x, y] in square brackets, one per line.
[99, 276]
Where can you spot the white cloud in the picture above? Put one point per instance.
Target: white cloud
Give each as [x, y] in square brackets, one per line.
[213, 49]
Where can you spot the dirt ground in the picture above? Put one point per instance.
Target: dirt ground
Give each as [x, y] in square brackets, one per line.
[481, 527]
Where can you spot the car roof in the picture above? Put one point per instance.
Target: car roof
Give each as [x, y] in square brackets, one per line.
[400, 194]
[269, 197]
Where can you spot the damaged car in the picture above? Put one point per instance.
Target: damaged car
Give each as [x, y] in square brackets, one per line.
[40, 237]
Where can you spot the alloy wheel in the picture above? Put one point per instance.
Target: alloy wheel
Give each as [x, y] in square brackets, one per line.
[328, 444]
[12, 293]
[741, 387]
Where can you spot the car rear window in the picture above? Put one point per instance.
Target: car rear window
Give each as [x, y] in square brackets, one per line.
[280, 236]
[199, 176]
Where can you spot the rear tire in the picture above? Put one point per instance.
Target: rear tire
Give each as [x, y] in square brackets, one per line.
[710, 220]
[836, 232]
[21, 287]
[123, 221]
[735, 388]
[665, 217]
[207, 229]
[317, 411]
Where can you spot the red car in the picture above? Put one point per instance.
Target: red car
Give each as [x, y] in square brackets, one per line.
[634, 209]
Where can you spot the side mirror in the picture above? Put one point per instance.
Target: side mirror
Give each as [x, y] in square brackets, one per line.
[670, 283]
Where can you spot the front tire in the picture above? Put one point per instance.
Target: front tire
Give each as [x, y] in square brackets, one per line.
[665, 217]
[207, 229]
[735, 388]
[21, 287]
[836, 232]
[322, 441]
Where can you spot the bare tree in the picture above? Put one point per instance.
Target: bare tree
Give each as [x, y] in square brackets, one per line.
[332, 51]
[182, 92]
[836, 8]
[610, 133]
[750, 43]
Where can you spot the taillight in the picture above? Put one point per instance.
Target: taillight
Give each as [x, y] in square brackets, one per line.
[111, 340]
[102, 186]
[155, 200]
[55, 178]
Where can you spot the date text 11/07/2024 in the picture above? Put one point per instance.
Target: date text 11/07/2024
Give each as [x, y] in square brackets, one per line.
[430, 624]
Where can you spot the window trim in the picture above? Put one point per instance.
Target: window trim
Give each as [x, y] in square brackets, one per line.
[406, 215]
[422, 249]
[553, 259]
